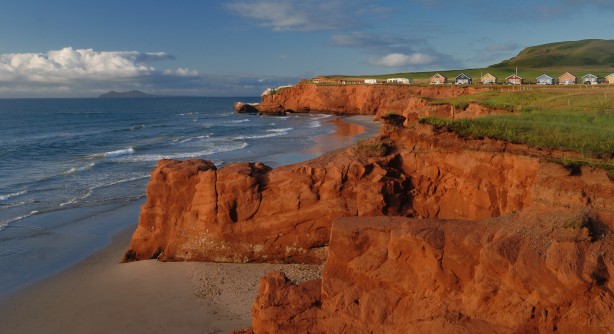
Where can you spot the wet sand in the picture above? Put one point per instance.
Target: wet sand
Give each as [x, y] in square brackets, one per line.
[100, 295]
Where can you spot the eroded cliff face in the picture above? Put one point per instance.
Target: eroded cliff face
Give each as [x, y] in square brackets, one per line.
[249, 212]
[409, 101]
[524, 273]
[500, 239]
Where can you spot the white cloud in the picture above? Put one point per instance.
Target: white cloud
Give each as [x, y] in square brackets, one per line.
[86, 73]
[308, 15]
[70, 64]
[401, 60]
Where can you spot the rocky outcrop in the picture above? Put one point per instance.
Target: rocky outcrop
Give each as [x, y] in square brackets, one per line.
[249, 212]
[406, 100]
[247, 108]
[530, 272]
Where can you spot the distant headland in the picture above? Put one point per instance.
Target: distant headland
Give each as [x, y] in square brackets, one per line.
[133, 94]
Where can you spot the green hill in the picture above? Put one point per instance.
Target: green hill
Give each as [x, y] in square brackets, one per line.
[589, 52]
[594, 56]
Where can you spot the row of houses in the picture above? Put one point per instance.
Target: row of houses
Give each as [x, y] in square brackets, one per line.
[322, 80]
[515, 79]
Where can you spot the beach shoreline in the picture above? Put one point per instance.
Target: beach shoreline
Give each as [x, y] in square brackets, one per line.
[99, 295]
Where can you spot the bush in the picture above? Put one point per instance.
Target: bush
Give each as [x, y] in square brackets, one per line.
[373, 148]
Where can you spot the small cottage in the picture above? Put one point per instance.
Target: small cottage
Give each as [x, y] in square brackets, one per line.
[403, 81]
[462, 79]
[590, 79]
[370, 81]
[514, 79]
[438, 79]
[567, 79]
[545, 79]
[610, 78]
[488, 79]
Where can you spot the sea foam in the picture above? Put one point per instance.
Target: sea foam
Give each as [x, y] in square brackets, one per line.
[79, 169]
[185, 155]
[9, 196]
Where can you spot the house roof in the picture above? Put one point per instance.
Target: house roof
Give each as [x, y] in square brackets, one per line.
[567, 73]
[488, 75]
[545, 76]
[514, 76]
[589, 76]
[462, 76]
[609, 75]
[439, 75]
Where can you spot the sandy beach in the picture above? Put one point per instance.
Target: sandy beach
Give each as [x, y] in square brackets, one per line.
[100, 295]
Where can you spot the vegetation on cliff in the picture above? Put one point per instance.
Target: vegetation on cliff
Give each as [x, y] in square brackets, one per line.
[581, 120]
[593, 56]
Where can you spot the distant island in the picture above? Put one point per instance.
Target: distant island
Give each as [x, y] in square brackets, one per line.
[133, 94]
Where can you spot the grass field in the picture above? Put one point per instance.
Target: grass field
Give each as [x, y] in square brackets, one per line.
[581, 120]
[528, 74]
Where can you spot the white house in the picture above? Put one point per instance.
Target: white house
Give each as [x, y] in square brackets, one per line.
[590, 79]
[404, 81]
[462, 79]
[545, 79]
[370, 81]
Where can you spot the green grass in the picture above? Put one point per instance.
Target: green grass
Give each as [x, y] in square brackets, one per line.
[373, 148]
[590, 52]
[528, 74]
[591, 134]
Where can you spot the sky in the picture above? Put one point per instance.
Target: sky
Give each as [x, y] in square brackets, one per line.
[70, 48]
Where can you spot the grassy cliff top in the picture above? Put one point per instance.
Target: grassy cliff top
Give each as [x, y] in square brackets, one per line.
[589, 52]
[578, 57]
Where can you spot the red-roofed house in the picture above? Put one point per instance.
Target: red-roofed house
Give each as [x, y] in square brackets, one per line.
[514, 79]
[567, 79]
[438, 79]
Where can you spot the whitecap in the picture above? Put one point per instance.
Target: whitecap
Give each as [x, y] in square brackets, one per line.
[314, 124]
[284, 130]
[237, 121]
[269, 135]
[193, 138]
[78, 198]
[11, 195]
[113, 154]
[3, 224]
[117, 153]
[79, 169]
[185, 155]
[122, 181]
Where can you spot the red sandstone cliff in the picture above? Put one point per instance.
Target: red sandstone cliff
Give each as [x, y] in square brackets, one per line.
[409, 101]
[524, 273]
[249, 212]
[532, 251]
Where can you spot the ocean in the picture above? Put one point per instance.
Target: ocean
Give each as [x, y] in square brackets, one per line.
[65, 163]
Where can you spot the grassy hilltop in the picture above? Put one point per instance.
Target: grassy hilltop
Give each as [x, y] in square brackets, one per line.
[591, 52]
[578, 57]
[577, 118]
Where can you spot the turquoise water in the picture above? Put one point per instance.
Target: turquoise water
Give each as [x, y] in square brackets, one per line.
[64, 161]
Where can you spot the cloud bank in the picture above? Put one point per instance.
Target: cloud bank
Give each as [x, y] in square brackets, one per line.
[349, 24]
[85, 72]
[307, 15]
[69, 64]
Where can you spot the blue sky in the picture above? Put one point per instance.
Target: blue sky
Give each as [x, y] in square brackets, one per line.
[69, 48]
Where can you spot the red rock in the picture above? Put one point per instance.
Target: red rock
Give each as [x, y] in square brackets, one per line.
[249, 212]
[400, 275]
[409, 101]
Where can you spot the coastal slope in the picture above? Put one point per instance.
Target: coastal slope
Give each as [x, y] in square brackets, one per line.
[420, 229]
[377, 100]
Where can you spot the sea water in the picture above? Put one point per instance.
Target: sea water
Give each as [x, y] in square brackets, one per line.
[65, 160]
